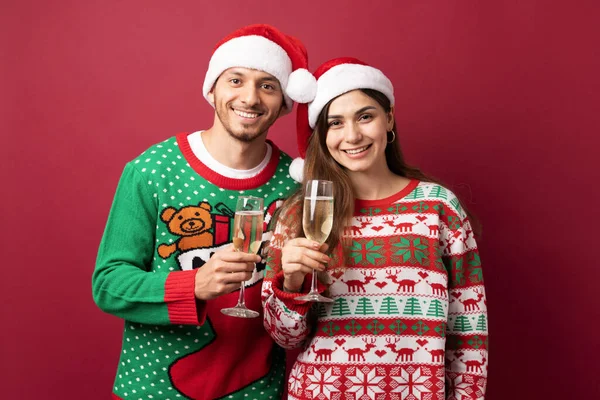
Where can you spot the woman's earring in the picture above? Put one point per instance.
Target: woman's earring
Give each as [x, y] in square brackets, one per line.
[393, 137]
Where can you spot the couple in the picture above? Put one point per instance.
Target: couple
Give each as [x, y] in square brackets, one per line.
[409, 316]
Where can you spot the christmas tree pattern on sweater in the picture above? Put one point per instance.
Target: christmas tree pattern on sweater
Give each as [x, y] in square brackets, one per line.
[166, 221]
[409, 317]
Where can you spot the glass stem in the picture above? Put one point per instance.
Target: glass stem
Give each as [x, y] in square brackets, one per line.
[313, 284]
[241, 302]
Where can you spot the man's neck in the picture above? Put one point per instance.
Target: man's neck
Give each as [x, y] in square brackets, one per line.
[232, 152]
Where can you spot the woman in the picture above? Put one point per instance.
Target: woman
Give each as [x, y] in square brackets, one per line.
[409, 316]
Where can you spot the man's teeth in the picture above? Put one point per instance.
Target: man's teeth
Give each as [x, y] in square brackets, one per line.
[356, 151]
[245, 114]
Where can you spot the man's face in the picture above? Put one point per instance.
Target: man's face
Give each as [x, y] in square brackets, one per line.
[247, 102]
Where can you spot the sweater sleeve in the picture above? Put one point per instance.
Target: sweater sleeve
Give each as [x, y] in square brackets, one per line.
[285, 318]
[467, 335]
[123, 283]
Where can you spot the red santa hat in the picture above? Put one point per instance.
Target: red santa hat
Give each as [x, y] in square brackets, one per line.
[264, 48]
[334, 78]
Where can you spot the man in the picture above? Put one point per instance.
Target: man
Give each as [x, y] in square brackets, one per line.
[166, 264]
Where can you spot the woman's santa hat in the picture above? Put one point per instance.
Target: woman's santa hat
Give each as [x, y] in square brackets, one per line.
[333, 78]
[264, 48]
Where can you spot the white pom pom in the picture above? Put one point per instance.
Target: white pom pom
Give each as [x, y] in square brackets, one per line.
[301, 86]
[297, 169]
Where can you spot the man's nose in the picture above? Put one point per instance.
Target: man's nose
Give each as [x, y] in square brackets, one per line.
[249, 95]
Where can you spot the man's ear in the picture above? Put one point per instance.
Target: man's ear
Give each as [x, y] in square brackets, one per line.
[283, 110]
[211, 95]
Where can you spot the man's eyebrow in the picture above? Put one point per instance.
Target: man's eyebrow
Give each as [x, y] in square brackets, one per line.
[269, 79]
[362, 110]
[262, 79]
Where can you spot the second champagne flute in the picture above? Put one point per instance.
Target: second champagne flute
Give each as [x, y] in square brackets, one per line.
[317, 221]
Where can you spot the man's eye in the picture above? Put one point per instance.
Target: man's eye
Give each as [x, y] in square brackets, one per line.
[267, 86]
[235, 81]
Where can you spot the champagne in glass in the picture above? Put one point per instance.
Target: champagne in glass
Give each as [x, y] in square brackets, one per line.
[317, 221]
[318, 218]
[247, 231]
[247, 237]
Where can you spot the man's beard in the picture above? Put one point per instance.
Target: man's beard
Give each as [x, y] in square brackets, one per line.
[243, 136]
[247, 133]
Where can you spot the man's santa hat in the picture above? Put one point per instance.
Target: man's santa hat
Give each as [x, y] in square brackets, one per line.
[264, 48]
[333, 78]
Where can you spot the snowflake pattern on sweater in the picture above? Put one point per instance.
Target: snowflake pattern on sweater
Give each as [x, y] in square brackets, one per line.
[409, 317]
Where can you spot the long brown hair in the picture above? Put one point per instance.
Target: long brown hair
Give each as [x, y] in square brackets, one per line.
[319, 164]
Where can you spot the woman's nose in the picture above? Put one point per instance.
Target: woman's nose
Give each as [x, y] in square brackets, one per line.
[352, 134]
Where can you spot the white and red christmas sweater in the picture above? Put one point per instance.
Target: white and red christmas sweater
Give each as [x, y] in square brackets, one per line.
[409, 317]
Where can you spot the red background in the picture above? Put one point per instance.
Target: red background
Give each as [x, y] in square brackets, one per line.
[498, 99]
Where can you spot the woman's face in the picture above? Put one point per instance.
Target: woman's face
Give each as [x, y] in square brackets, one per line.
[357, 134]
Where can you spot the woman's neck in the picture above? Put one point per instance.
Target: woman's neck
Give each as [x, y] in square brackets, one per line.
[377, 186]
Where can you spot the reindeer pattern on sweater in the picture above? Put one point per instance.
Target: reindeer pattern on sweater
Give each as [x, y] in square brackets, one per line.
[409, 317]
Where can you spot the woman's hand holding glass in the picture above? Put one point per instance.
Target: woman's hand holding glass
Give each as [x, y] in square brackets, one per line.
[299, 257]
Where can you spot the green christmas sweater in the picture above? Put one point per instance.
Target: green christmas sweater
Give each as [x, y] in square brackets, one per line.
[409, 317]
[170, 214]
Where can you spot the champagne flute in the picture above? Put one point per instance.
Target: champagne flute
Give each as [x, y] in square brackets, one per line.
[317, 222]
[247, 237]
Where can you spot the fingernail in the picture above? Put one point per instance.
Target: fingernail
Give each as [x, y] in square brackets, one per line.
[326, 259]
[316, 245]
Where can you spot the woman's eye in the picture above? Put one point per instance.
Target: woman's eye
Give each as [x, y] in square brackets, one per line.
[334, 123]
[365, 117]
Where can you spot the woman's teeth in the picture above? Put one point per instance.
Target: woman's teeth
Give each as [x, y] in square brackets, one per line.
[356, 151]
